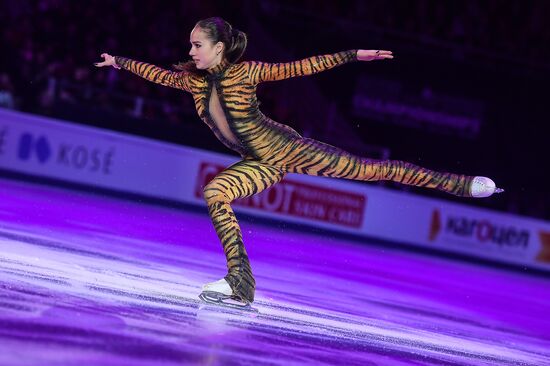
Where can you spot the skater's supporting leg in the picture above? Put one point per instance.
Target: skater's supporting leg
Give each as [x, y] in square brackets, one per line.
[308, 156]
[242, 179]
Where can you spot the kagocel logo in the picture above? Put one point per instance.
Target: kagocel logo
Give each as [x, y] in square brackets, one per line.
[482, 231]
[28, 145]
[485, 231]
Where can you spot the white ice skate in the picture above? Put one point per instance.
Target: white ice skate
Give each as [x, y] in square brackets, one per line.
[220, 293]
[483, 187]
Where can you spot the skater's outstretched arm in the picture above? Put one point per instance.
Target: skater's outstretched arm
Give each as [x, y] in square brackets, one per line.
[174, 79]
[262, 71]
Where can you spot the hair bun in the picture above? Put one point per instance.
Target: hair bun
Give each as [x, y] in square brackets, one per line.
[218, 30]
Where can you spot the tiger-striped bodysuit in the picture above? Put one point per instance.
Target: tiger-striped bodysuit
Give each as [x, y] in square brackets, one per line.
[225, 99]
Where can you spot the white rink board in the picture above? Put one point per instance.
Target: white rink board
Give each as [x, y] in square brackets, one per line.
[50, 148]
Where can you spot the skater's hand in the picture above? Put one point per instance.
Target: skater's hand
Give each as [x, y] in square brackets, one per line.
[109, 61]
[369, 55]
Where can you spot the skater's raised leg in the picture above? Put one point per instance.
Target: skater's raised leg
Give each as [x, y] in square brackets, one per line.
[308, 156]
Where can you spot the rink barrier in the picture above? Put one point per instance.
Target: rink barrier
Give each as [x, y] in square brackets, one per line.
[60, 151]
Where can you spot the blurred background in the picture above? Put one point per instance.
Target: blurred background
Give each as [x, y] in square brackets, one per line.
[465, 93]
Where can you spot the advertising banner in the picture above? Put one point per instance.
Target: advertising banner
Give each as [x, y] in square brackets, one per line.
[44, 147]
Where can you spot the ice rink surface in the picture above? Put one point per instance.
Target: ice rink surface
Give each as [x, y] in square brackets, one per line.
[87, 279]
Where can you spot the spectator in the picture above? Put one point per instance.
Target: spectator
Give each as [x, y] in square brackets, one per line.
[7, 98]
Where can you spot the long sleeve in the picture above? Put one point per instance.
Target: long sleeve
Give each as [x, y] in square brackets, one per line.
[178, 80]
[261, 71]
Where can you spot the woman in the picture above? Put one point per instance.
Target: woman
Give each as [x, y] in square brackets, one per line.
[225, 98]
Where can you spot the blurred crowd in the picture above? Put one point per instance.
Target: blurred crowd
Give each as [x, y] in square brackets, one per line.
[48, 41]
[516, 29]
[49, 47]
[53, 53]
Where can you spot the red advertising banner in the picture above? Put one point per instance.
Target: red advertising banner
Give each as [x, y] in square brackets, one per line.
[544, 254]
[302, 200]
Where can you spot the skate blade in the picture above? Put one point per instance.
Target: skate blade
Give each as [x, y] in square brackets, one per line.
[217, 298]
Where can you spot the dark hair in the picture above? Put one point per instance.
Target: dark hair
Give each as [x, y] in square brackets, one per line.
[218, 30]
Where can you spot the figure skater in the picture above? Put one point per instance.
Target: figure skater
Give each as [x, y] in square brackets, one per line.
[224, 91]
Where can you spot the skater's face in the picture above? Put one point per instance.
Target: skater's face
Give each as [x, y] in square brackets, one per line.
[205, 53]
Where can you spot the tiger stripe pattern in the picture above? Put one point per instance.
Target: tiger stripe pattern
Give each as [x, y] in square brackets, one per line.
[269, 150]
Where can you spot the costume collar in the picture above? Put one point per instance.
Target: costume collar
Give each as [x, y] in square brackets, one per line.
[219, 68]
